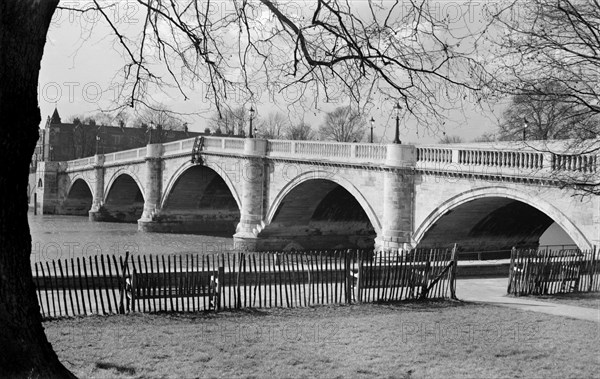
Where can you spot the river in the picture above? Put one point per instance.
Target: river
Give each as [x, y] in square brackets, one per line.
[61, 237]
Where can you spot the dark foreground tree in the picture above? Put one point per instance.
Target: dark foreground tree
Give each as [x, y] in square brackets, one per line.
[25, 350]
[400, 53]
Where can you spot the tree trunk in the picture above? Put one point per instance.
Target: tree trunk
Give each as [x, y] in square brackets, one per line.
[25, 350]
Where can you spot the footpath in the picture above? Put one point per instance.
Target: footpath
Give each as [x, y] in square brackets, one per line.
[493, 291]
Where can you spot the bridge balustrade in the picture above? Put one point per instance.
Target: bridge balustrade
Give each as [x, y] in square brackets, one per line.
[370, 151]
[324, 149]
[279, 147]
[434, 154]
[513, 159]
[81, 162]
[579, 163]
[171, 147]
[453, 158]
[126, 155]
[234, 144]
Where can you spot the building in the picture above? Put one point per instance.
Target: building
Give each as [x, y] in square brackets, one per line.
[61, 141]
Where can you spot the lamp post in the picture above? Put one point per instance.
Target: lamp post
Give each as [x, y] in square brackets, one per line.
[525, 125]
[251, 117]
[97, 143]
[397, 135]
[372, 123]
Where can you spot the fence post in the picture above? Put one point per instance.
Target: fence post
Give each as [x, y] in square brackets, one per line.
[122, 284]
[348, 276]
[511, 270]
[132, 286]
[426, 277]
[220, 285]
[453, 272]
[359, 276]
[592, 269]
[238, 289]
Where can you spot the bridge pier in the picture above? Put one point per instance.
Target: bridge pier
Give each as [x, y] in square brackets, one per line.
[398, 195]
[253, 187]
[95, 213]
[47, 188]
[148, 222]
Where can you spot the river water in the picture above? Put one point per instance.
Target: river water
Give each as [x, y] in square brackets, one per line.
[62, 237]
[65, 237]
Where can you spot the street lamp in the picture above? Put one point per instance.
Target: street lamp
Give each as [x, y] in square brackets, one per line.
[251, 117]
[372, 123]
[97, 143]
[525, 125]
[397, 136]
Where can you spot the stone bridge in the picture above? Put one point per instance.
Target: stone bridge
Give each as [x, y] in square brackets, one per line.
[277, 194]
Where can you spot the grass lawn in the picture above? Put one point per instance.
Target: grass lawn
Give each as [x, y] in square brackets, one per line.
[578, 299]
[428, 339]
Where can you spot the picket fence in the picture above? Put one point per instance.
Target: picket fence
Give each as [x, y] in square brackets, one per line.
[546, 272]
[107, 284]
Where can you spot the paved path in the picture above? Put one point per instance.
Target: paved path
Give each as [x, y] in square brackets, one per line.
[493, 291]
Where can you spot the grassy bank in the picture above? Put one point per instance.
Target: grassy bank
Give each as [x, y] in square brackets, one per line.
[433, 339]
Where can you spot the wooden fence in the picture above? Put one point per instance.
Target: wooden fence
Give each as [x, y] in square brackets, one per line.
[535, 272]
[150, 283]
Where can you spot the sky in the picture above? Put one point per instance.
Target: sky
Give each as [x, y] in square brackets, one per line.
[82, 63]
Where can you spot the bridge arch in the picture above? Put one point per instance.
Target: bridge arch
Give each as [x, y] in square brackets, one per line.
[324, 175]
[307, 202]
[200, 199]
[78, 200]
[120, 172]
[500, 192]
[79, 176]
[123, 198]
[214, 167]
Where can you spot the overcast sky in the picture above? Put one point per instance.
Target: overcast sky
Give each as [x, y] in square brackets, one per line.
[81, 60]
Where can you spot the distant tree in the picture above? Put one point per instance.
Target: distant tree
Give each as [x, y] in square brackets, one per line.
[486, 137]
[231, 121]
[450, 139]
[548, 116]
[343, 124]
[206, 130]
[274, 126]
[300, 131]
[98, 118]
[158, 116]
[547, 55]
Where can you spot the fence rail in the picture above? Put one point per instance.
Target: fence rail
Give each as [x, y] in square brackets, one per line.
[193, 282]
[546, 272]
